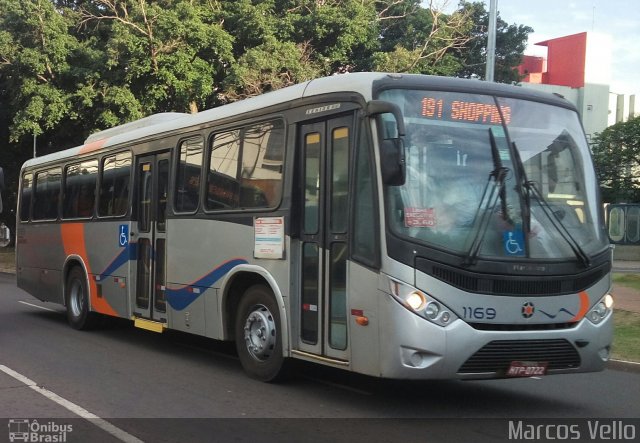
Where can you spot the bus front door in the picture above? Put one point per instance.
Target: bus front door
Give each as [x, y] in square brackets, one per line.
[324, 238]
[151, 209]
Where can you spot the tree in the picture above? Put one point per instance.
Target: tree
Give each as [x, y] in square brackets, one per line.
[283, 42]
[163, 55]
[422, 40]
[35, 70]
[616, 154]
[511, 41]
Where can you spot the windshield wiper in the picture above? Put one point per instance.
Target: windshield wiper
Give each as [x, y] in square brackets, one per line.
[498, 175]
[556, 221]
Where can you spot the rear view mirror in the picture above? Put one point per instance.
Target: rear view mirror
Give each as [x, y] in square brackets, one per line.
[392, 161]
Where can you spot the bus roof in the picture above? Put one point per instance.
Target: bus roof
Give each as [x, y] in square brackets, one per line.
[362, 83]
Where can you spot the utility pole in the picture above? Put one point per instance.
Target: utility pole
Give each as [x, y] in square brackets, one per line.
[491, 41]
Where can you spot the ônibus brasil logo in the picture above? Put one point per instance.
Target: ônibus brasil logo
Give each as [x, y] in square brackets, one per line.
[33, 431]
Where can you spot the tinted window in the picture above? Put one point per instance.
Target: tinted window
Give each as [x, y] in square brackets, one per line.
[364, 235]
[47, 194]
[80, 189]
[25, 196]
[188, 180]
[114, 185]
[245, 167]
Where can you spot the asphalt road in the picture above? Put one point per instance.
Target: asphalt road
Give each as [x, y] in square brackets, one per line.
[131, 384]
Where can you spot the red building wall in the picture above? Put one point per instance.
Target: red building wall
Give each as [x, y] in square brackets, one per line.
[565, 64]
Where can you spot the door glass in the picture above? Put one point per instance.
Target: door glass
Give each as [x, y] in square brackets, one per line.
[160, 302]
[143, 273]
[144, 198]
[310, 290]
[161, 198]
[340, 180]
[312, 183]
[337, 297]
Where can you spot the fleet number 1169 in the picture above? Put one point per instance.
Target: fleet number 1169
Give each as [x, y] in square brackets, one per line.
[479, 313]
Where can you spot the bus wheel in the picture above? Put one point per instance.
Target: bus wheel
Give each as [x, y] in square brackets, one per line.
[258, 334]
[77, 301]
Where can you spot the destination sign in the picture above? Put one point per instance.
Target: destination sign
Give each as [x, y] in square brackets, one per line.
[464, 111]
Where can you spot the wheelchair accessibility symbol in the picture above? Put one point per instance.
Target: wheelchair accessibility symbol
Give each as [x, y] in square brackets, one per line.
[513, 243]
[123, 237]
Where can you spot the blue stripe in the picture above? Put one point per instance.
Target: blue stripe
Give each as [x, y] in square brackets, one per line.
[179, 299]
[130, 252]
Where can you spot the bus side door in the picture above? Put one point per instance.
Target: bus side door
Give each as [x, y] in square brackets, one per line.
[325, 151]
[152, 176]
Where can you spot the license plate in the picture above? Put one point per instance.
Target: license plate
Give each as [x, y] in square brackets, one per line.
[527, 369]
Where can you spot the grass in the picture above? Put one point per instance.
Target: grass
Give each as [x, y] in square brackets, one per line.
[628, 280]
[626, 337]
[7, 258]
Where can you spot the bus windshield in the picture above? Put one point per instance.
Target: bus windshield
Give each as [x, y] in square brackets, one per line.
[506, 177]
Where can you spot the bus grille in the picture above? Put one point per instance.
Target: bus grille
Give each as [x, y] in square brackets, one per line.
[496, 356]
[523, 326]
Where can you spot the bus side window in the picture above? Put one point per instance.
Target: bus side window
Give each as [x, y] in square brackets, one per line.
[113, 197]
[80, 189]
[188, 177]
[245, 167]
[262, 159]
[47, 194]
[25, 196]
[365, 240]
[223, 188]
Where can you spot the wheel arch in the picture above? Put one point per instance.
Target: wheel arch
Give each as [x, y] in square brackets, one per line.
[71, 262]
[236, 283]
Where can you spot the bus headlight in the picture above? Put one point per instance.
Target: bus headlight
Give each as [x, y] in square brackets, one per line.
[600, 311]
[416, 300]
[421, 303]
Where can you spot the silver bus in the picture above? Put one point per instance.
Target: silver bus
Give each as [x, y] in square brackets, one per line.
[400, 226]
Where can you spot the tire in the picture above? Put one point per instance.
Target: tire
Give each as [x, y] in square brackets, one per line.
[258, 335]
[76, 297]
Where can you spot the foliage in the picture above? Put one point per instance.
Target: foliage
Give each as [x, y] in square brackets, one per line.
[616, 154]
[423, 41]
[511, 41]
[71, 67]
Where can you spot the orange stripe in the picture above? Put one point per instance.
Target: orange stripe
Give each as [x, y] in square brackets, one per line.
[74, 244]
[584, 306]
[93, 146]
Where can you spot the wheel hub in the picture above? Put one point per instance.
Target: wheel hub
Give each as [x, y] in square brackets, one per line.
[260, 333]
[77, 298]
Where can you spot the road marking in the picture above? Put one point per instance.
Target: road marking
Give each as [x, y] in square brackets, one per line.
[78, 410]
[36, 306]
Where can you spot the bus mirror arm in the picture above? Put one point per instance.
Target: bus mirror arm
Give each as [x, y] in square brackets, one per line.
[377, 107]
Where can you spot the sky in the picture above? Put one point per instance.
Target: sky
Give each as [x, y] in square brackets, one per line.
[556, 18]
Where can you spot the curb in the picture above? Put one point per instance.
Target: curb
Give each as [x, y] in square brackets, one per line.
[624, 366]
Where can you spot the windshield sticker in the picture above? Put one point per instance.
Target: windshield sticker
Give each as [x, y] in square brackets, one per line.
[420, 217]
[513, 242]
